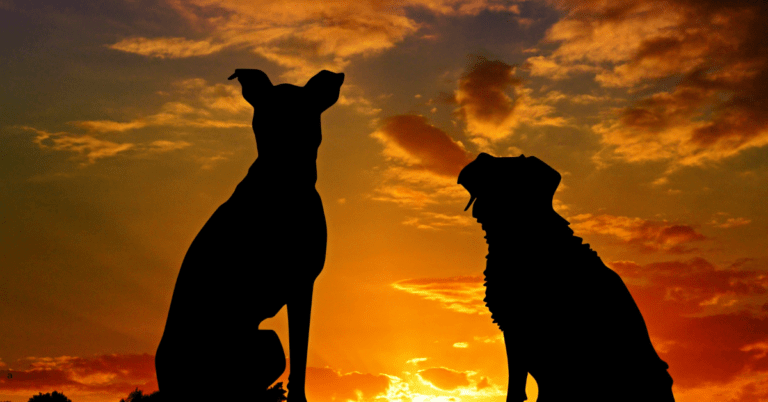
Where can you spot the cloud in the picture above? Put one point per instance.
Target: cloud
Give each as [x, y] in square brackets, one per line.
[423, 164]
[713, 53]
[87, 148]
[463, 294]
[301, 35]
[198, 105]
[541, 66]
[483, 100]
[648, 236]
[167, 146]
[461, 345]
[403, 196]
[492, 101]
[698, 287]
[437, 221]
[112, 375]
[412, 140]
[728, 222]
[707, 319]
[326, 384]
[172, 48]
[444, 379]
[482, 384]
[490, 339]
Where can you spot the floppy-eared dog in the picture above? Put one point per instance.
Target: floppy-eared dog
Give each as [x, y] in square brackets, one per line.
[567, 319]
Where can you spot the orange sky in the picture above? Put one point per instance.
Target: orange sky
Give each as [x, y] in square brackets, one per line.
[121, 135]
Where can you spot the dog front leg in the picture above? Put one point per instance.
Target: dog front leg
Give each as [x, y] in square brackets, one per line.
[518, 374]
[299, 311]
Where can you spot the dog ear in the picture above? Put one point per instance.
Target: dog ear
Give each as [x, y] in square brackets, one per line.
[324, 88]
[254, 82]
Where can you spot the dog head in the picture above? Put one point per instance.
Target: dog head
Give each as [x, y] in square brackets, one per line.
[317, 95]
[518, 187]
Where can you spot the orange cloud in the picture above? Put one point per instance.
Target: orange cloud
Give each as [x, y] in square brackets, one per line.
[85, 146]
[109, 375]
[648, 236]
[197, 105]
[326, 384]
[716, 53]
[302, 35]
[444, 379]
[411, 139]
[696, 286]
[463, 294]
[729, 222]
[213, 107]
[423, 163]
[706, 321]
[172, 48]
[436, 221]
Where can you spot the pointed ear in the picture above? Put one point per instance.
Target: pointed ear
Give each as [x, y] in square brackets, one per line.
[324, 89]
[254, 83]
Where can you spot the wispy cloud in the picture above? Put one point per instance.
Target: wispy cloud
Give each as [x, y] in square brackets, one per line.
[723, 221]
[647, 235]
[87, 148]
[463, 294]
[172, 48]
[196, 104]
[301, 35]
[435, 221]
[112, 375]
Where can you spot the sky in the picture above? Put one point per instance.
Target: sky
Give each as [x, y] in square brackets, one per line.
[120, 135]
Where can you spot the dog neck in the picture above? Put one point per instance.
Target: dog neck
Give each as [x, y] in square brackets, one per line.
[523, 235]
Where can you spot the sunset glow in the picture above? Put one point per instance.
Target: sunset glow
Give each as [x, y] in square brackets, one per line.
[121, 135]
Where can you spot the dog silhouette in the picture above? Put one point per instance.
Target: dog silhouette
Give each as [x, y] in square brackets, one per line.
[567, 319]
[260, 250]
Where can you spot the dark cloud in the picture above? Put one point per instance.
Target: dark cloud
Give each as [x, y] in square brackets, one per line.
[425, 145]
[716, 51]
[646, 235]
[705, 321]
[696, 283]
[109, 374]
[483, 91]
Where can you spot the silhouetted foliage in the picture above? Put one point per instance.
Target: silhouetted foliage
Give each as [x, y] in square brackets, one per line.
[137, 395]
[50, 397]
[276, 393]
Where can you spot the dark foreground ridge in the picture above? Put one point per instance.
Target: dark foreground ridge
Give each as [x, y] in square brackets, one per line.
[567, 319]
[261, 250]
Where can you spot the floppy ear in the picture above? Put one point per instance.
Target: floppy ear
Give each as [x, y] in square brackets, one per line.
[254, 83]
[324, 89]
